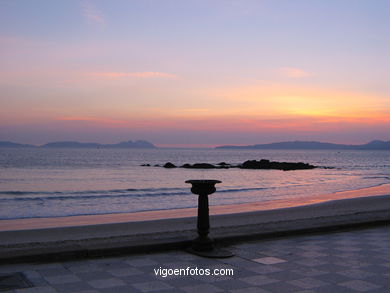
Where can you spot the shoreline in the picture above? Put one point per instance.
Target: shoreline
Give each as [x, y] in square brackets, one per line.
[85, 236]
[86, 220]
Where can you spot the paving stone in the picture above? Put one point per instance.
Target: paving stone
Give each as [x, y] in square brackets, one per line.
[138, 279]
[264, 269]
[94, 275]
[88, 291]
[8, 269]
[178, 264]
[121, 289]
[125, 272]
[231, 284]
[182, 282]
[284, 275]
[269, 260]
[106, 283]
[152, 286]
[53, 272]
[280, 287]
[311, 262]
[212, 279]
[38, 282]
[43, 289]
[356, 274]
[249, 290]
[240, 262]
[139, 262]
[30, 274]
[307, 283]
[84, 267]
[258, 280]
[343, 262]
[72, 287]
[333, 278]
[201, 288]
[359, 285]
[55, 280]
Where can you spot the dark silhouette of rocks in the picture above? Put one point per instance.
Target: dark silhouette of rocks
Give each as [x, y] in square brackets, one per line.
[169, 165]
[224, 165]
[266, 164]
[250, 164]
[199, 166]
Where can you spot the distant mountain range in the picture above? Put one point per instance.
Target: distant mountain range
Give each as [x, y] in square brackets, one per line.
[312, 145]
[75, 144]
[288, 145]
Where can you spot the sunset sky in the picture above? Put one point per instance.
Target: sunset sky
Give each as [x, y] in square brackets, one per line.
[194, 73]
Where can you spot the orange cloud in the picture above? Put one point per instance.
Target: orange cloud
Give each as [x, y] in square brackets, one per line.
[94, 120]
[282, 100]
[293, 72]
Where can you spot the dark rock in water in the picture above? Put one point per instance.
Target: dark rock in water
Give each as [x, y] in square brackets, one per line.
[145, 165]
[157, 165]
[199, 166]
[266, 164]
[250, 164]
[169, 165]
[253, 164]
[203, 166]
[223, 165]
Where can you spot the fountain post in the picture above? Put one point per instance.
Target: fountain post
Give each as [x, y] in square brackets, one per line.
[203, 245]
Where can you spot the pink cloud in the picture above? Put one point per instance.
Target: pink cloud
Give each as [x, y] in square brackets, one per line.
[148, 74]
[92, 14]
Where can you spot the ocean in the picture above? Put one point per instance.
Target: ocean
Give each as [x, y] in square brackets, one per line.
[44, 182]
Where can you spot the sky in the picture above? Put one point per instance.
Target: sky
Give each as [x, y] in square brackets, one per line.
[194, 73]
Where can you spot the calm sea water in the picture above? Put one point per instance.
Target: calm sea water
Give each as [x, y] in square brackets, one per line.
[64, 182]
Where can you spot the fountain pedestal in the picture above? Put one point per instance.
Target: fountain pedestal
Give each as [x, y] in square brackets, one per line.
[203, 245]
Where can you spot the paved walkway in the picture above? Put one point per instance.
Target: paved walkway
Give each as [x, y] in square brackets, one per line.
[349, 261]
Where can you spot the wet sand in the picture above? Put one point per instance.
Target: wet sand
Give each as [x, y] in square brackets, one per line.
[44, 223]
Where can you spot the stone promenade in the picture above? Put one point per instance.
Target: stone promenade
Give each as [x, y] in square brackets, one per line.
[344, 261]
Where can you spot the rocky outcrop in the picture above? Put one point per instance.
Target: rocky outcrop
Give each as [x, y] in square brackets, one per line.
[250, 164]
[199, 166]
[169, 165]
[266, 164]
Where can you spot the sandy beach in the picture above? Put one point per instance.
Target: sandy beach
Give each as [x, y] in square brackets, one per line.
[43, 223]
[87, 234]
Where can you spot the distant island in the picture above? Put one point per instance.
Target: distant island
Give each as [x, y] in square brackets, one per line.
[9, 144]
[312, 145]
[141, 144]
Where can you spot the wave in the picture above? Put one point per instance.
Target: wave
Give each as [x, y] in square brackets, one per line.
[13, 192]
[102, 194]
[377, 177]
